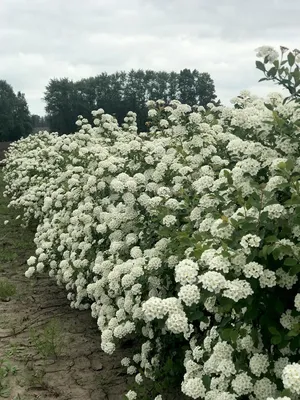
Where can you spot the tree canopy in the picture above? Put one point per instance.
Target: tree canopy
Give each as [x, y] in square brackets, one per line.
[15, 120]
[122, 91]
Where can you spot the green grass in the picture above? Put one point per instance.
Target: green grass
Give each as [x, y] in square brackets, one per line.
[49, 342]
[6, 370]
[7, 289]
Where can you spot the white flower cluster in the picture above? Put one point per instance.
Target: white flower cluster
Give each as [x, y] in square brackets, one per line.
[184, 231]
[291, 378]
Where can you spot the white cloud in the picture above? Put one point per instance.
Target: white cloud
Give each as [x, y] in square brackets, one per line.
[43, 39]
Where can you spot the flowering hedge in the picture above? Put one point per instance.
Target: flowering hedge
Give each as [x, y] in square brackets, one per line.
[186, 236]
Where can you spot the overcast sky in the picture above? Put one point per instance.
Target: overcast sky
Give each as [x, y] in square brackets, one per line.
[43, 39]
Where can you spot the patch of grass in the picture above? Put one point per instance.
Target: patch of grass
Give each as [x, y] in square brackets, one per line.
[49, 342]
[6, 369]
[36, 378]
[7, 289]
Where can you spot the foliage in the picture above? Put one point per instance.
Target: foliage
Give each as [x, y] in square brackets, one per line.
[14, 114]
[186, 236]
[7, 289]
[119, 92]
[6, 369]
[39, 123]
[49, 342]
[283, 70]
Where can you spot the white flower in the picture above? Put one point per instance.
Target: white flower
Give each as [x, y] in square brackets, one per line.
[186, 272]
[242, 384]
[297, 302]
[177, 323]
[279, 398]
[31, 260]
[250, 241]
[259, 364]
[237, 289]
[213, 281]
[267, 278]
[125, 362]
[264, 388]
[291, 378]
[205, 182]
[30, 272]
[139, 379]
[189, 294]
[279, 366]
[169, 220]
[253, 270]
[154, 308]
[131, 395]
[275, 211]
[267, 51]
[193, 388]
[152, 113]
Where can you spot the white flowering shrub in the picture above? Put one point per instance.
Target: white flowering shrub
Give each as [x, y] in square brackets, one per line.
[186, 237]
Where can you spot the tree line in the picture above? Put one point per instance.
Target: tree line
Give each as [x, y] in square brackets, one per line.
[121, 92]
[116, 93]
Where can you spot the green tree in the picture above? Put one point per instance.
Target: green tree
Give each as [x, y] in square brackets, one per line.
[62, 104]
[15, 119]
[7, 104]
[204, 88]
[22, 118]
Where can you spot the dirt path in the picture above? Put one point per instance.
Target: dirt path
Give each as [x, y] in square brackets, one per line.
[47, 350]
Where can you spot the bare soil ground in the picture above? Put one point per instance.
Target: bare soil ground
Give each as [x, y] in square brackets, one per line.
[47, 350]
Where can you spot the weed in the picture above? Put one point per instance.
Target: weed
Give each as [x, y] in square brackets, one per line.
[49, 342]
[36, 378]
[7, 289]
[13, 350]
[6, 369]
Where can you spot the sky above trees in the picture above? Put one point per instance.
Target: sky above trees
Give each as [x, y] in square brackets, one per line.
[43, 39]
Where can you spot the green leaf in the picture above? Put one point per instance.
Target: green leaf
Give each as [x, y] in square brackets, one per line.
[271, 239]
[269, 106]
[290, 262]
[206, 379]
[196, 315]
[295, 270]
[295, 200]
[289, 164]
[225, 321]
[227, 175]
[276, 339]
[260, 65]
[273, 330]
[293, 333]
[285, 392]
[291, 59]
[272, 72]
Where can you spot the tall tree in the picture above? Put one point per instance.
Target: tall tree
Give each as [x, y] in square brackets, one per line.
[15, 120]
[22, 118]
[62, 103]
[204, 88]
[7, 105]
[186, 87]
